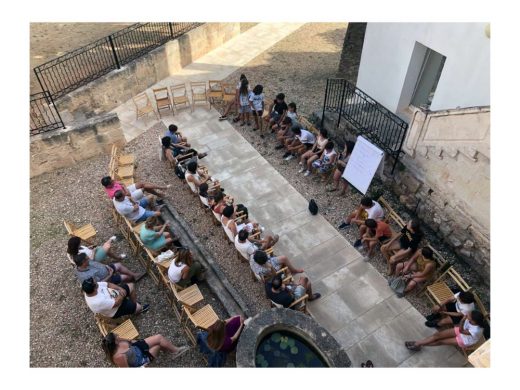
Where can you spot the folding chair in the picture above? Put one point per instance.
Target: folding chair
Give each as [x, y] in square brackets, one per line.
[440, 291]
[123, 328]
[85, 232]
[126, 159]
[215, 93]
[198, 93]
[229, 94]
[143, 106]
[162, 100]
[203, 319]
[179, 95]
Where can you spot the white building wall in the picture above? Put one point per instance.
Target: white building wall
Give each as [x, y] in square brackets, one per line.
[387, 52]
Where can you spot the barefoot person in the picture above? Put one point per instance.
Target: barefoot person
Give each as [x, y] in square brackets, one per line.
[340, 168]
[247, 246]
[376, 232]
[137, 353]
[134, 191]
[422, 267]
[466, 334]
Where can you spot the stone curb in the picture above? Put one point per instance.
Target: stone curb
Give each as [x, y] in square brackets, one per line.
[216, 279]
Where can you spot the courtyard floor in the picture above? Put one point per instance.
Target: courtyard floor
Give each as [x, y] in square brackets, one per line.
[357, 306]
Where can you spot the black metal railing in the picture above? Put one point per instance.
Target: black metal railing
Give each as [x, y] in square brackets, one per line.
[366, 116]
[81, 66]
[43, 114]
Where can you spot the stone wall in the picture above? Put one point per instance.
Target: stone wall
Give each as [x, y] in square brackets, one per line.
[107, 92]
[445, 178]
[65, 147]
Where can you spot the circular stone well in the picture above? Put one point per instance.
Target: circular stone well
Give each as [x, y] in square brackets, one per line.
[317, 340]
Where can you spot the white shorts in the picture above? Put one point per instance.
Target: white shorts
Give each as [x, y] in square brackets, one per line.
[137, 194]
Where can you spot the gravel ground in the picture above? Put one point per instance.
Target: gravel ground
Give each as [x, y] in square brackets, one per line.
[63, 332]
[298, 65]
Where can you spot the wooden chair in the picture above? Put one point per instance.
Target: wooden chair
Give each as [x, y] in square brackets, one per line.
[202, 318]
[480, 356]
[85, 232]
[179, 95]
[299, 304]
[229, 93]
[122, 159]
[162, 100]
[198, 93]
[143, 106]
[390, 213]
[439, 291]
[123, 328]
[215, 93]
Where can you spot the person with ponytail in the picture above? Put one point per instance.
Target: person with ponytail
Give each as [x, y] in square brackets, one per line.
[137, 353]
[466, 334]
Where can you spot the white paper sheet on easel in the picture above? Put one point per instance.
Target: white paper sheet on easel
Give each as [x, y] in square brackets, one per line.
[362, 164]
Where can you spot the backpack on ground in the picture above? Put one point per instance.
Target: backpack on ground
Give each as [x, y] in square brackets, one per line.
[179, 171]
[397, 284]
[313, 207]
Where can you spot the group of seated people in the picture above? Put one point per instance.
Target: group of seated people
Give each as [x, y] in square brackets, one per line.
[417, 266]
[247, 236]
[400, 250]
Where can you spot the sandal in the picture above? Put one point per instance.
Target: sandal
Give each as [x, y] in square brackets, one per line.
[411, 346]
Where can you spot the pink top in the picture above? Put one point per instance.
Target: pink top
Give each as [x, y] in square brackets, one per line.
[115, 187]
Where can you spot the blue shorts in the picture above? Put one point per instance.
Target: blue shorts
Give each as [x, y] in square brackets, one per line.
[147, 214]
[100, 254]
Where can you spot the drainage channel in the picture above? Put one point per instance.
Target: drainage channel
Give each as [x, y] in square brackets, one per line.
[215, 278]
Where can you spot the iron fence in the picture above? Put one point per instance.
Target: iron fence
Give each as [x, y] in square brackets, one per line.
[366, 116]
[43, 115]
[81, 66]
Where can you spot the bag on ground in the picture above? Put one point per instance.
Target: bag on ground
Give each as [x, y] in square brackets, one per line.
[397, 284]
[313, 207]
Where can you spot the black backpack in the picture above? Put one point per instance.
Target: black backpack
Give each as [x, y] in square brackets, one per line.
[179, 171]
[313, 207]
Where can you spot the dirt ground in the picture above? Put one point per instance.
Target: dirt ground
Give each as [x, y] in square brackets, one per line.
[51, 40]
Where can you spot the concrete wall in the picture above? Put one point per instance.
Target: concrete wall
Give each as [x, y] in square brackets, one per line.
[117, 87]
[386, 75]
[65, 147]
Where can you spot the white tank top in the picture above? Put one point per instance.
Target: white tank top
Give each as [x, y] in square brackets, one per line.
[174, 272]
[228, 231]
[322, 142]
[328, 156]
[192, 185]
